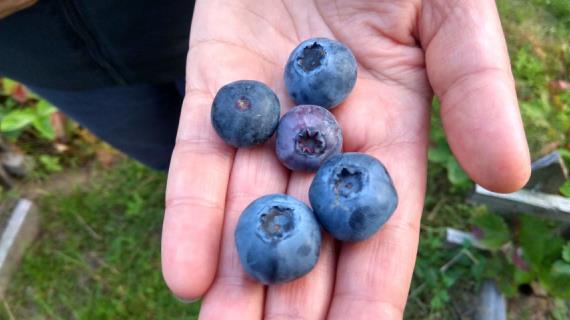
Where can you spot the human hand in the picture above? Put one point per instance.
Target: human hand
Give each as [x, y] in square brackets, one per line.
[405, 49]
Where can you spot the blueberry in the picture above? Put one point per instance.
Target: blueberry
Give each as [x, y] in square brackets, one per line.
[245, 113]
[307, 135]
[278, 239]
[320, 71]
[352, 196]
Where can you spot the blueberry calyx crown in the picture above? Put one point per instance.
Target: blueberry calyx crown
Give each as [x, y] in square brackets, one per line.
[347, 181]
[310, 142]
[312, 57]
[276, 223]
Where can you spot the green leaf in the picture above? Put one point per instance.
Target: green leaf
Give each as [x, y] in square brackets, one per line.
[8, 85]
[439, 300]
[541, 247]
[565, 189]
[10, 104]
[565, 154]
[50, 163]
[561, 268]
[495, 230]
[557, 281]
[439, 154]
[566, 252]
[448, 281]
[435, 104]
[17, 119]
[505, 278]
[455, 174]
[33, 95]
[523, 277]
[44, 127]
[44, 108]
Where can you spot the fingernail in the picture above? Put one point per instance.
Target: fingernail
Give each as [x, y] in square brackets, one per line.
[186, 301]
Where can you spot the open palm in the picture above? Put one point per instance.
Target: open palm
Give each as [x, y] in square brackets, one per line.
[406, 50]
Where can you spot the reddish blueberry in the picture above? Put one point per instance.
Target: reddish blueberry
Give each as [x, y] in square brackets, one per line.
[307, 136]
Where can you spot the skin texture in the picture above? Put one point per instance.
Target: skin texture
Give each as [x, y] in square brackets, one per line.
[245, 113]
[405, 49]
[352, 196]
[320, 71]
[307, 136]
[278, 239]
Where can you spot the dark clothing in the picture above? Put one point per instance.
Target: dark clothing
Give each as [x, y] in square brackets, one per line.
[115, 66]
[139, 120]
[85, 44]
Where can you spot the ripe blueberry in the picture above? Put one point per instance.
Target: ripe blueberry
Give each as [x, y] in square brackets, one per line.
[320, 71]
[352, 196]
[278, 239]
[307, 135]
[245, 113]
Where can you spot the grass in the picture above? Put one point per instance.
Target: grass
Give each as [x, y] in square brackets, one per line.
[538, 44]
[98, 254]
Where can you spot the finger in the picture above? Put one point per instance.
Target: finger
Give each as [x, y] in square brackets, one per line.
[307, 297]
[373, 276]
[195, 195]
[201, 162]
[256, 172]
[198, 178]
[468, 67]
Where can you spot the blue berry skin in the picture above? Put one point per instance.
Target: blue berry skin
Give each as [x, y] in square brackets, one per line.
[352, 196]
[307, 136]
[320, 71]
[245, 113]
[278, 239]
